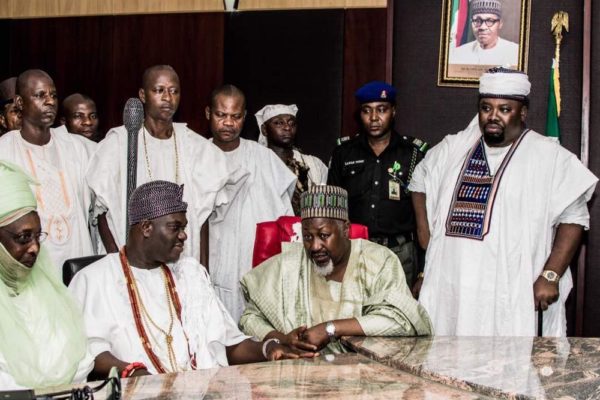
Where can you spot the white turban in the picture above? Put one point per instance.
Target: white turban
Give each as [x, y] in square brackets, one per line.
[503, 82]
[269, 111]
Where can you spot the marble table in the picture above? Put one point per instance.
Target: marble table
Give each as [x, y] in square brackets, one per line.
[344, 376]
[499, 367]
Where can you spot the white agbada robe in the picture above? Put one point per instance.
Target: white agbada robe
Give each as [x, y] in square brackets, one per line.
[101, 290]
[91, 147]
[482, 288]
[209, 181]
[265, 196]
[317, 170]
[63, 197]
[505, 53]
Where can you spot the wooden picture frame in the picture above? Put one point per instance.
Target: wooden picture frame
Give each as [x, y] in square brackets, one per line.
[464, 36]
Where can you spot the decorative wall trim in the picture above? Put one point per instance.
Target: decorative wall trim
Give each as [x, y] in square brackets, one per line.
[18, 9]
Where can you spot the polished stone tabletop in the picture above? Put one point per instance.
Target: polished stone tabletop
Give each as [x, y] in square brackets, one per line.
[345, 376]
[499, 367]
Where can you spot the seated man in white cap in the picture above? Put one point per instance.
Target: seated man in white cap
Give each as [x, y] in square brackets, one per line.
[148, 310]
[329, 286]
[42, 340]
[277, 124]
[505, 208]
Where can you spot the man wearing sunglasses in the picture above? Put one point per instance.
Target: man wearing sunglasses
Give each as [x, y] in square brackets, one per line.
[488, 48]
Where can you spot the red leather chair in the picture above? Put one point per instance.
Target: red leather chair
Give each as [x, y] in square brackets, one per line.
[270, 235]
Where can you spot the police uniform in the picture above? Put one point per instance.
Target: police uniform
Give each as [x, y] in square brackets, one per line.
[377, 186]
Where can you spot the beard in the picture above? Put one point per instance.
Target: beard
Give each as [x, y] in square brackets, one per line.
[493, 138]
[324, 270]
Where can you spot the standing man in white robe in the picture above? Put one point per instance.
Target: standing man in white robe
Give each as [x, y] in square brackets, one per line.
[265, 196]
[505, 212]
[147, 309]
[167, 151]
[58, 161]
[80, 116]
[277, 125]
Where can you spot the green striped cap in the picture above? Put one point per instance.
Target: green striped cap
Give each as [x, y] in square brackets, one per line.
[324, 201]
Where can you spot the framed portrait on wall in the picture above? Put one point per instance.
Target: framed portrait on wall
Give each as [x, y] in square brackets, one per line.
[477, 35]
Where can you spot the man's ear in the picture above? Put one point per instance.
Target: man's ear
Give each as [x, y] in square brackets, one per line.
[19, 102]
[147, 228]
[3, 121]
[346, 229]
[207, 112]
[393, 111]
[62, 120]
[263, 130]
[142, 95]
[524, 111]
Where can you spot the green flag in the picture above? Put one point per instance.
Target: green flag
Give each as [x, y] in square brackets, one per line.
[552, 127]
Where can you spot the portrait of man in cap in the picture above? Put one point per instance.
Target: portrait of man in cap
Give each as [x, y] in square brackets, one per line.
[481, 34]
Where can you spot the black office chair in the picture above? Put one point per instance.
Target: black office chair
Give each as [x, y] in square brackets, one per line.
[74, 265]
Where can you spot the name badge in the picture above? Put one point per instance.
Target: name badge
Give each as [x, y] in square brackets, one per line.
[394, 190]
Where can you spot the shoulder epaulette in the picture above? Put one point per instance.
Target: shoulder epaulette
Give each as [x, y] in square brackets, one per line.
[421, 145]
[344, 139]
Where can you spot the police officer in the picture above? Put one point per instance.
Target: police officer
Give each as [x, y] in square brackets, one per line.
[375, 168]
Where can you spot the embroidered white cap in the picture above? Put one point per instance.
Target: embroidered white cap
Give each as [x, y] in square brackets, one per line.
[504, 82]
[269, 111]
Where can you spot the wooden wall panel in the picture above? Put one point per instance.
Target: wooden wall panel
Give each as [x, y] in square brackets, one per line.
[105, 57]
[74, 51]
[364, 59]
[274, 58]
[162, 6]
[5, 33]
[5, 9]
[190, 43]
[64, 8]
[57, 8]
[314, 4]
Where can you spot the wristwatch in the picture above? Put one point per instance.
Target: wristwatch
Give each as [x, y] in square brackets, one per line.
[330, 329]
[550, 276]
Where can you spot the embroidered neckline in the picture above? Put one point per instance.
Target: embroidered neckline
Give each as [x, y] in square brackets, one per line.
[470, 211]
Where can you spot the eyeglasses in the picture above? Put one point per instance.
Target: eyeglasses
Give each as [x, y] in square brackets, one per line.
[489, 22]
[27, 237]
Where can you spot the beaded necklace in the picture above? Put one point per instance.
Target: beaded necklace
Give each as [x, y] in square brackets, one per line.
[140, 313]
[148, 169]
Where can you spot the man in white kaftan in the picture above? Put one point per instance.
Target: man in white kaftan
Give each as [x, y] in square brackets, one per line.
[166, 151]
[148, 310]
[497, 242]
[265, 196]
[58, 161]
[277, 125]
[101, 289]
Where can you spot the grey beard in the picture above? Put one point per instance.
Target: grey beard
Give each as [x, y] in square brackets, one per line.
[325, 270]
